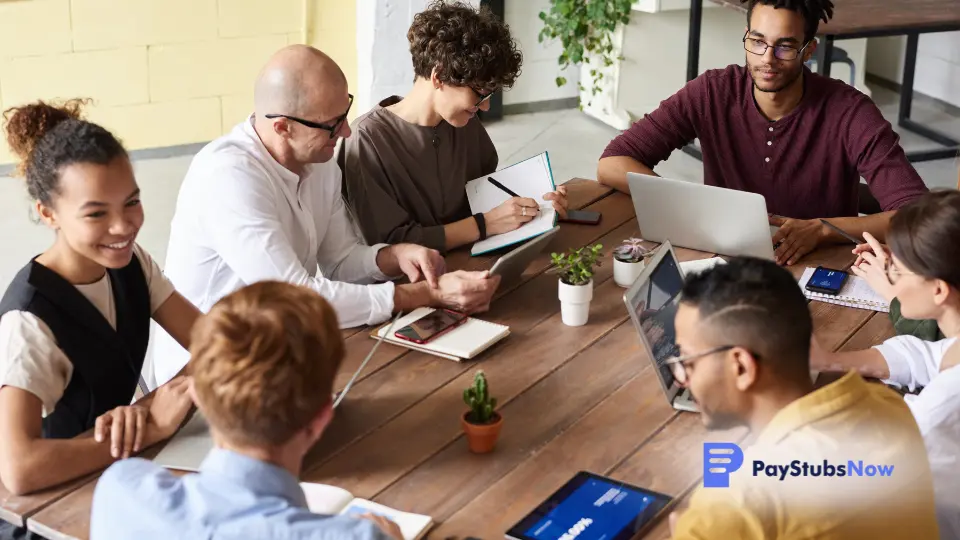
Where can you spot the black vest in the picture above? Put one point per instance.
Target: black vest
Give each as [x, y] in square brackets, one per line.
[106, 362]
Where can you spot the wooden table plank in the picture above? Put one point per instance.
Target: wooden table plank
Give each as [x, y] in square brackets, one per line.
[877, 330]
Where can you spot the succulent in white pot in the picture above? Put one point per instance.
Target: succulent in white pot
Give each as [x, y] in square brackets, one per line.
[576, 282]
[629, 260]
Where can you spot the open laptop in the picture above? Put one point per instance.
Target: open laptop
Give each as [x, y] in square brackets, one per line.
[652, 302]
[697, 216]
[510, 266]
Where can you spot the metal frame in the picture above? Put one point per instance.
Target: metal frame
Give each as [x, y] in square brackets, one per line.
[951, 147]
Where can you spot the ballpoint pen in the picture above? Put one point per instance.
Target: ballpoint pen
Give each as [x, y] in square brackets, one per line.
[843, 233]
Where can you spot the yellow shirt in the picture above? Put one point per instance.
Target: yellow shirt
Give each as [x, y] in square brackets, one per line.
[846, 421]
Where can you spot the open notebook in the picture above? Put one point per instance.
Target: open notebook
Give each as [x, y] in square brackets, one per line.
[462, 343]
[530, 178]
[333, 501]
[856, 293]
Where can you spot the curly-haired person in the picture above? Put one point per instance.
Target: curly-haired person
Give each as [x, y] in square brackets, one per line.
[773, 127]
[406, 167]
[265, 358]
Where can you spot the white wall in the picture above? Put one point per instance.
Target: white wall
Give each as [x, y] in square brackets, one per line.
[384, 67]
[540, 67]
[938, 63]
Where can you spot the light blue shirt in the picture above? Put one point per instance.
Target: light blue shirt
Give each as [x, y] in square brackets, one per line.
[232, 497]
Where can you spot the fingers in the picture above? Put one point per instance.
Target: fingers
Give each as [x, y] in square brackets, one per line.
[101, 426]
[141, 427]
[116, 432]
[782, 233]
[527, 202]
[560, 209]
[776, 221]
[412, 273]
[858, 271]
[129, 433]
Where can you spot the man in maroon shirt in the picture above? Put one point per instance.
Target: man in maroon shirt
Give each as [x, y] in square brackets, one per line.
[775, 128]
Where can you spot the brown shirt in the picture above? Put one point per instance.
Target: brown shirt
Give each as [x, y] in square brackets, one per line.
[404, 182]
[807, 165]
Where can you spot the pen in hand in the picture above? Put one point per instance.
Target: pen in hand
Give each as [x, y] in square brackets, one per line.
[843, 233]
[511, 193]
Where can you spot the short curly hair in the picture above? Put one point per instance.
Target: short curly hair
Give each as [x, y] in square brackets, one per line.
[264, 361]
[466, 46]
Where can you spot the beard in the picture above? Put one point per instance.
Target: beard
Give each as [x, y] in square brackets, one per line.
[719, 420]
[784, 80]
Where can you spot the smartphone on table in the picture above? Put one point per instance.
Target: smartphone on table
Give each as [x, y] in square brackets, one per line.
[827, 281]
[437, 322]
[584, 217]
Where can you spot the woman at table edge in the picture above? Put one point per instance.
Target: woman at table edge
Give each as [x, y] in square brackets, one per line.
[920, 268]
[407, 164]
[75, 321]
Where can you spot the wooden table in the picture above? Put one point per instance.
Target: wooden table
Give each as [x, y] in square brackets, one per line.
[855, 19]
[572, 399]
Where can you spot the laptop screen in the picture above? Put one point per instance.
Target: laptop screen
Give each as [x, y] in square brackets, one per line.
[655, 305]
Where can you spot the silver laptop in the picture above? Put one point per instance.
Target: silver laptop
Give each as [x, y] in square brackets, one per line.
[652, 302]
[697, 216]
[510, 267]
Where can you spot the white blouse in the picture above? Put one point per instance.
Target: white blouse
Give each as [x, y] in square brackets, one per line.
[914, 363]
[29, 356]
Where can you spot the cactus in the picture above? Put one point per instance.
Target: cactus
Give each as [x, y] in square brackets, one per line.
[477, 397]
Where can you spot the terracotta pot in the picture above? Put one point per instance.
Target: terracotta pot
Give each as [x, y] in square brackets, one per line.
[482, 438]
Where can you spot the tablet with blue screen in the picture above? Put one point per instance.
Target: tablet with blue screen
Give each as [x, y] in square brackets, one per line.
[592, 507]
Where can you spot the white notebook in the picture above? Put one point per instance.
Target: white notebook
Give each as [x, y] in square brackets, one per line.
[334, 501]
[856, 293]
[530, 178]
[462, 343]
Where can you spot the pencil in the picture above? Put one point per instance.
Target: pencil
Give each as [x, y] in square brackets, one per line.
[843, 233]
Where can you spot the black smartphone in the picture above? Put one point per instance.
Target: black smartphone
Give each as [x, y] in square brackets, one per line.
[430, 326]
[584, 217]
[827, 281]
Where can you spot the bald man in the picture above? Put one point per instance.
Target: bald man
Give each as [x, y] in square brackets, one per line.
[263, 203]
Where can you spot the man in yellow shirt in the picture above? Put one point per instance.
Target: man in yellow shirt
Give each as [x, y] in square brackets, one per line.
[845, 461]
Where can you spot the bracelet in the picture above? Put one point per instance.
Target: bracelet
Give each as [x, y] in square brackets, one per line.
[481, 225]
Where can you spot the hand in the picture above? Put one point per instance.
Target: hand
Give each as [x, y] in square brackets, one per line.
[510, 215]
[796, 238]
[169, 407]
[467, 292]
[125, 427]
[559, 199]
[417, 261]
[872, 260]
[820, 359]
[674, 518]
[388, 527]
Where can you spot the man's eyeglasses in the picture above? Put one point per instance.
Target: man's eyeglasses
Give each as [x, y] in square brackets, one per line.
[781, 52]
[680, 365]
[333, 128]
[483, 97]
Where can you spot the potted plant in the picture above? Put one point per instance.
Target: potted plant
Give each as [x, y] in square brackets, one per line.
[576, 282]
[482, 422]
[628, 261]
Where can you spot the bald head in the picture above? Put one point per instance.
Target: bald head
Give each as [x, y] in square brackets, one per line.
[299, 80]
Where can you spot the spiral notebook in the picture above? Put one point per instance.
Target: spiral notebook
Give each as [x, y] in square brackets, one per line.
[856, 293]
[462, 343]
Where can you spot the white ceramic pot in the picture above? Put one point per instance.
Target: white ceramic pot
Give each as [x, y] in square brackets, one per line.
[575, 303]
[625, 273]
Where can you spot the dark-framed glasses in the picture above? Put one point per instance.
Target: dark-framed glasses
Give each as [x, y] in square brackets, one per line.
[781, 52]
[483, 97]
[680, 365]
[333, 128]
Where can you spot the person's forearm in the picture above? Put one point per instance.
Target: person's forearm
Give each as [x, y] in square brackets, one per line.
[410, 296]
[875, 224]
[41, 463]
[387, 261]
[612, 171]
[461, 233]
[868, 362]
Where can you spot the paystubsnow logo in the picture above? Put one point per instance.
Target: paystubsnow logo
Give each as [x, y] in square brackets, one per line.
[577, 528]
[722, 459]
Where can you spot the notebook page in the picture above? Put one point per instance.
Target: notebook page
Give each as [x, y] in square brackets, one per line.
[856, 293]
[324, 499]
[531, 178]
[464, 341]
[412, 526]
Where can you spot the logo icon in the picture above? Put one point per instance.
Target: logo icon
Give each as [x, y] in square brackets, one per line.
[719, 461]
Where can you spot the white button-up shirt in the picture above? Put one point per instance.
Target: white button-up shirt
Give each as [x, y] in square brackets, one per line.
[912, 363]
[241, 217]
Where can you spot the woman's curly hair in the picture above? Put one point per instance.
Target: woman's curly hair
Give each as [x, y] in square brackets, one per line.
[466, 47]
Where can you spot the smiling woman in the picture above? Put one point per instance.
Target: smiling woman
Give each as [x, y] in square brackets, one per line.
[75, 321]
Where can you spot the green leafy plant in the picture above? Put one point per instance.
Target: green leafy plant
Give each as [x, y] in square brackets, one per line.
[585, 28]
[576, 266]
[477, 397]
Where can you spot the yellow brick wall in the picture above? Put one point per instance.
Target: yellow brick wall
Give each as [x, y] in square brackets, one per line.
[160, 72]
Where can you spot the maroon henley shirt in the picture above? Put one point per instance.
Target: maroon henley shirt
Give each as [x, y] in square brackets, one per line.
[806, 165]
